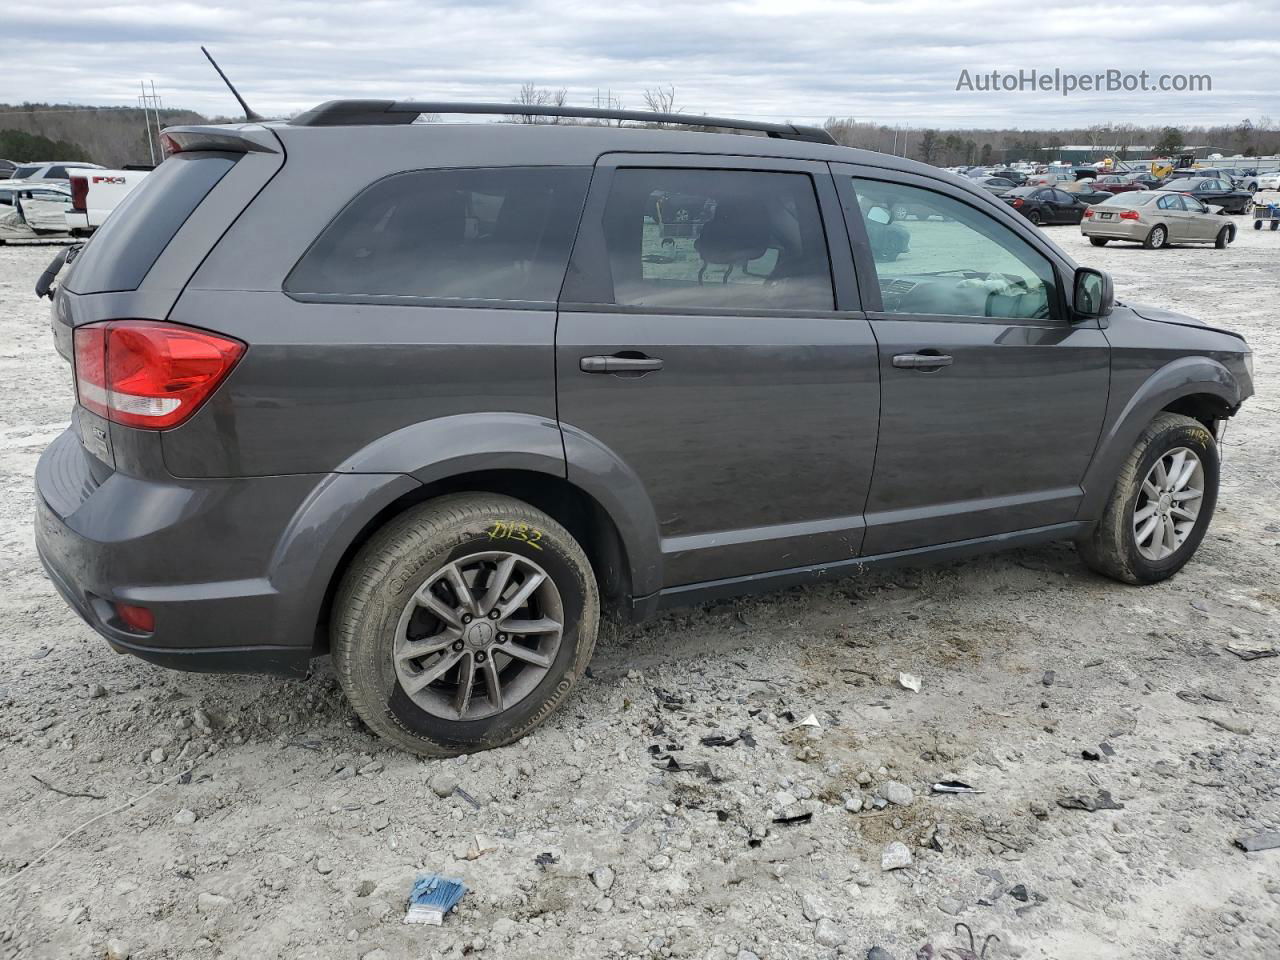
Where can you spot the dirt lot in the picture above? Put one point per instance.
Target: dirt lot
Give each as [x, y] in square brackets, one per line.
[297, 835]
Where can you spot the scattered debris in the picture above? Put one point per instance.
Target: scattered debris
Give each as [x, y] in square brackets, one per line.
[480, 845]
[1246, 651]
[1102, 801]
[1091, 755]
[443, 785]
[810, 721]
[953, 786]
[1048, 678]
[828, 934]
[909, 682]
[546, 859]
[1259, 841]
[1019, 892]
[602, 878]
[702, 769]
[895, 856]
[185, 817]
[432, 897]
[66, 793]
[879, 953]
[791, 820]
[459, 792]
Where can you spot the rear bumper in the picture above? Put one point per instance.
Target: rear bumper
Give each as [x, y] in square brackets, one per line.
[235, 572]
[76, 221]
[1133, 230]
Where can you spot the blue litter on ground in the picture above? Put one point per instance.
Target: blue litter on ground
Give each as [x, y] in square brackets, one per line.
[432, 897]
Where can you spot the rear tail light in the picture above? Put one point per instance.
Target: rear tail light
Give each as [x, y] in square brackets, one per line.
[1129, 215]
[169, 146]
[1088, 212]
[143, 373]
[79, 194]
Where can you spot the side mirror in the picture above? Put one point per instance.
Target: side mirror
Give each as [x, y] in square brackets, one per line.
[1094, 294]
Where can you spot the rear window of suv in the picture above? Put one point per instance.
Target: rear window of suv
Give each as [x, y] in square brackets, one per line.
[495, 234]
[125, 247]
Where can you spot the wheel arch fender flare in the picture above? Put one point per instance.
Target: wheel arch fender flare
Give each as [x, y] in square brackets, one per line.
[600, 472]
[1184, 377]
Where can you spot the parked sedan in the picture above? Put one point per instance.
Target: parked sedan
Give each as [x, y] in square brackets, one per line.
[997, 185]
[1269, 181]
[1046, 205]
[1220, 193]
[1086, 191]
[1157, 218]
[1126, 182]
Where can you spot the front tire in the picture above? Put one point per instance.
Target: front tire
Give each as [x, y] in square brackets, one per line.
[1223, 238]
[1160, 506]
[1099, 241]
[463, 624]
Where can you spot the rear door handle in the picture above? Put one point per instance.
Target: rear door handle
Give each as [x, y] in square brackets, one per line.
[921, 361]
[619, 364]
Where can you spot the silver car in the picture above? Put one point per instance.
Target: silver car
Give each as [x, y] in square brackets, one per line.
[1156, 218]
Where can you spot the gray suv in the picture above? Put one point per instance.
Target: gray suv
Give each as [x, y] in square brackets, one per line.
[433, 398]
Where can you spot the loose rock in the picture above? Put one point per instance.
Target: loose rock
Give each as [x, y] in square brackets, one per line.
[895, 856]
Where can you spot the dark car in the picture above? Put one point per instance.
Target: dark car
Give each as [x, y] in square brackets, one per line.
[434, 398]
[1214, 192]
[1017, 177]
[1046, 206]
[1126, 182]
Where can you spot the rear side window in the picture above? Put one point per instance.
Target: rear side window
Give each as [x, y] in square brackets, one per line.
[124, 248]
[26, 172]
[499, 233]
[716, 239]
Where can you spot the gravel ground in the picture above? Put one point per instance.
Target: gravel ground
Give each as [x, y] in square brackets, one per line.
[248, 817]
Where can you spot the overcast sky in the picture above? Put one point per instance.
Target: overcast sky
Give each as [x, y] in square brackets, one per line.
[887, 61]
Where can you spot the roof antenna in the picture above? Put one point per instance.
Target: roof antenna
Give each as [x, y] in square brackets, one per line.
[248, 114]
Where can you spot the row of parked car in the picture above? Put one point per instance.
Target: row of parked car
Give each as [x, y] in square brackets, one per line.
[50, 199]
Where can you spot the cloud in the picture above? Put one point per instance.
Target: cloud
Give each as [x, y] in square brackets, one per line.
[893, 62]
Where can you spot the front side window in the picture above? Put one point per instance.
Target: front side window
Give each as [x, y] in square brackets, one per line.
[935, 255]
[500, 233]
[716, 239]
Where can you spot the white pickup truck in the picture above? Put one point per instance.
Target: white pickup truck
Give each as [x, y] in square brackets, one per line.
[95, 193]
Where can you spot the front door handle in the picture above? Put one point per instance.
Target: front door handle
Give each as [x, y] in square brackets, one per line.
[619, 364]
[921, 361]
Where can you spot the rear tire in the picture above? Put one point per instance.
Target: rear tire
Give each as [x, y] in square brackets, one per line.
[1223, 238]
[390, 604]
[1035, 218]
[1099, 241]
[1157, 238]
[1114, 548]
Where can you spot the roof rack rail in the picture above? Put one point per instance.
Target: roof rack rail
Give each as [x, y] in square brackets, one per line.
[341, 113]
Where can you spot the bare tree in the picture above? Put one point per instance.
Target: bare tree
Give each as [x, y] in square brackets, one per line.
[531, 95]
[662, 99]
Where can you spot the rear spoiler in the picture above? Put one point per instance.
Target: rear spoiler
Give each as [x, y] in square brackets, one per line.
[230, 138]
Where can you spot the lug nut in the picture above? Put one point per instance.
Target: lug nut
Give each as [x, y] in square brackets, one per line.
[493, 614]
[458, 645]
[466, 618]
[480, 657]
[502, 638]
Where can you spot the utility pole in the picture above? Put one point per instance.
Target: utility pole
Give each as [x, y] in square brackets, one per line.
[151, 102]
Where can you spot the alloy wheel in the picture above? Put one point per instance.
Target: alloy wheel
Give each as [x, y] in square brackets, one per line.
[478, 636]
[1168, 503]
